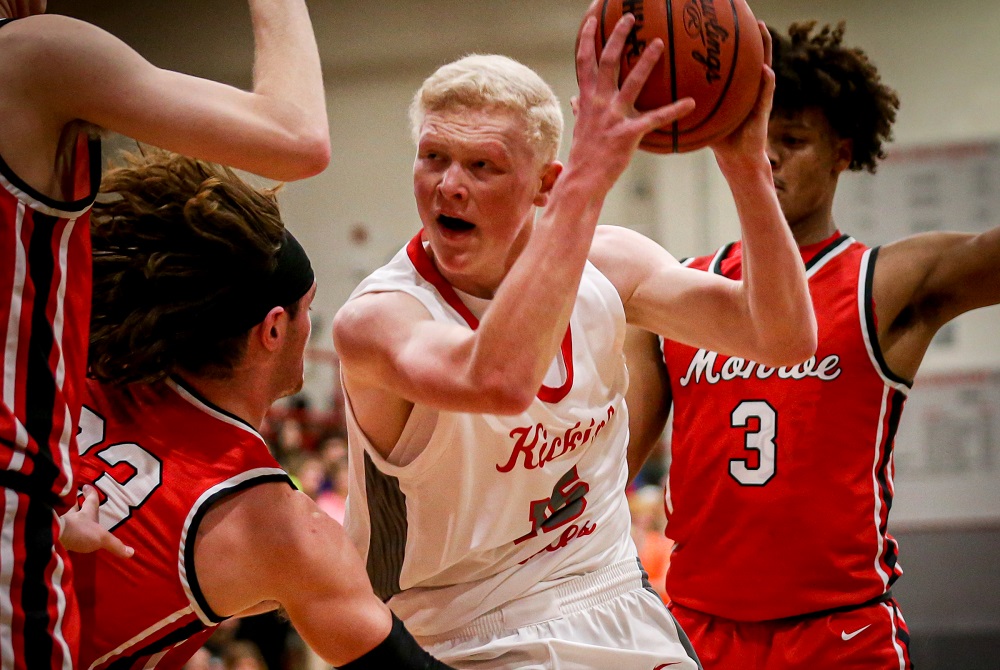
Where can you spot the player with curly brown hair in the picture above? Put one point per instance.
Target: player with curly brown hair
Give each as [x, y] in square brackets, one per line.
[200, 322]
[780, 481]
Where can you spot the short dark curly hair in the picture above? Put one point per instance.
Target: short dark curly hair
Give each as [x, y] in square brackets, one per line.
[173, 237]
[817, 70]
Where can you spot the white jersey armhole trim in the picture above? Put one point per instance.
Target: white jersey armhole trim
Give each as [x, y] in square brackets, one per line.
[185, 571]
[868, 329]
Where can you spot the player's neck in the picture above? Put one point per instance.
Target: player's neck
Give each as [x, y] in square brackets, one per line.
[813, 228]
[241, 398]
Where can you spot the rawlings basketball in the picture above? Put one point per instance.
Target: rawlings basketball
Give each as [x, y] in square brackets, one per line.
[713, 52]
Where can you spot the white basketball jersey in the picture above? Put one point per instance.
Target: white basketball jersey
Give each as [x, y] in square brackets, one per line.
[472, 511]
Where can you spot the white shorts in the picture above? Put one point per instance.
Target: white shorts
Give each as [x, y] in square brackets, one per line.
[607, 620]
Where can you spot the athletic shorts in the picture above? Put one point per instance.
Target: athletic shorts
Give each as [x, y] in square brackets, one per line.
[39, 619]
[870, 637]
[608, 620]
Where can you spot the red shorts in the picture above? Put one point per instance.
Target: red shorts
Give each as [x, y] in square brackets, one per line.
[871, 637]
[36, 594]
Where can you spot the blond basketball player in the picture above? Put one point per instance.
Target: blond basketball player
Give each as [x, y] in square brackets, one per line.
[485, 377]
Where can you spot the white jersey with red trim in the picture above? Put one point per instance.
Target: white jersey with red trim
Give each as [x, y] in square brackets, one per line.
[160, 457]
[781, 479]
[472, 511]
[45, 287]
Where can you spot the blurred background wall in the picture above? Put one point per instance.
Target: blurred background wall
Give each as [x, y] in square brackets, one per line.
[943, 59]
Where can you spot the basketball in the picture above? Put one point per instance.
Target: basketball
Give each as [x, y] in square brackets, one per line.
[713, 52]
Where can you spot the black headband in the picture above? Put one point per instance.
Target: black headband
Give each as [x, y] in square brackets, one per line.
[253, 297]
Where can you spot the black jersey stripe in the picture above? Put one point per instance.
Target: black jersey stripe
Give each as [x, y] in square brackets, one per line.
[890, 555]
[40, 383]
[389, 528]
[897, 400]
[720, 256]
[174, 637]
[902, 635]
[675, 128]
[192, 533]
[36, 591]
[825, 251]
[872, 331]
[209, 404]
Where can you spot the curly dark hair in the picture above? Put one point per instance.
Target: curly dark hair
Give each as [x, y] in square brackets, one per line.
[173, 237]
[817, 70]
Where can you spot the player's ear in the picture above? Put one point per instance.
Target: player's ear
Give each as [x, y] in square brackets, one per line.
[271, 330]
[843, 153]
[550, 173]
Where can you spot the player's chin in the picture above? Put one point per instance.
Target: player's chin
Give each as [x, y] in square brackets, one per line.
[295, 387]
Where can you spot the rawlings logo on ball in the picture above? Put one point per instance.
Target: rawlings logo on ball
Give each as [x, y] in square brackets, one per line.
[713, 51]
[634, 45]
[692, 20]
[701, 21]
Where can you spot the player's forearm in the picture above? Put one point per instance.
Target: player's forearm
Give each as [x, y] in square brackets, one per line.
[522, 331]
[778, 303]
[287, 71]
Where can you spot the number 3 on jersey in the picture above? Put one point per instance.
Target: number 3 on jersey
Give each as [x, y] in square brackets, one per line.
[120, 497]
[759, 439]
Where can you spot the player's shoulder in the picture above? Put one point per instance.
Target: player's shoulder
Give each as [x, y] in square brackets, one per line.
[40, 49]
[608, 238]
[35, 34]
[617, 247]
[908, 261]
[266, 514]
[381, 305]
[922, 246]
[367, 317]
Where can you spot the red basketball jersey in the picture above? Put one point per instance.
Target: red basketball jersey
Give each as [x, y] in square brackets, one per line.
[781, 479]
[160, 457]
[45, 286]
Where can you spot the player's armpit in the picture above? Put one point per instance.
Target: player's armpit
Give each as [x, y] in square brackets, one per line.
[934, 277]
[648, 397]
[922, 282]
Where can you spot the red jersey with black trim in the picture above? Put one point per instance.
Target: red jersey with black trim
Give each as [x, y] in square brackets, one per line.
[781, 479]
[160, 457]
[45, 287]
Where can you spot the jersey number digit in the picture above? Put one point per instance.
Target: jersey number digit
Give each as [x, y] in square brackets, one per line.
[759, 439]
[120, 497]
[566, 504]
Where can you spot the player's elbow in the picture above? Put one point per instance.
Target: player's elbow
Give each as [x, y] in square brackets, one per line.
[513, 403]
[790, 346]
[503, 394]
[309, 156]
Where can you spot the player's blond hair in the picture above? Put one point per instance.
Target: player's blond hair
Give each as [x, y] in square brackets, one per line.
[483, 81]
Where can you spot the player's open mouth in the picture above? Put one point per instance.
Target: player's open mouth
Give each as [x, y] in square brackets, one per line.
[455, 225]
